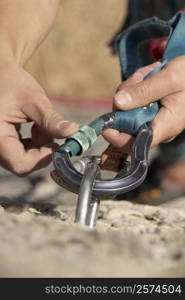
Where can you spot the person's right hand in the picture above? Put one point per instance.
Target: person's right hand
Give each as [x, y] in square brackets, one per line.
[23, 100]
[167, 86]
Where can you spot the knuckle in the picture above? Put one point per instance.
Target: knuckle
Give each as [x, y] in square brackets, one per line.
[143, 91]
[37, 98]
[174, 103]
[49, 116]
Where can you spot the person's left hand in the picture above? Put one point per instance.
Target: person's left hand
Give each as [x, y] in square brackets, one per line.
[23, 100]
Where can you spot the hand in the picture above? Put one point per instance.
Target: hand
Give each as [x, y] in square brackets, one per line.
[168, 86]
[23, 100]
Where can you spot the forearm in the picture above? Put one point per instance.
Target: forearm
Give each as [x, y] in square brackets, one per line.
[23, 26]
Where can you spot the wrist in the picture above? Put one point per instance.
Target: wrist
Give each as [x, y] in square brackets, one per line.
[10, 52]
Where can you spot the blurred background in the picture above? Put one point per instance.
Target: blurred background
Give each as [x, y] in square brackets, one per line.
[75, 60]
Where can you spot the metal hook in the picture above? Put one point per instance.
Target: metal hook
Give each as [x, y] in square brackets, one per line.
[87, 205]
[67, 176]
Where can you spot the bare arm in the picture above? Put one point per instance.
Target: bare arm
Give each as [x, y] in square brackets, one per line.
[23, 26]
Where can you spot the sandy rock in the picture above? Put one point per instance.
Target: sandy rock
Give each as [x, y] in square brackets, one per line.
[1, 209]
[134, 246]
[44, 190]
[32, 210]
[14, 187]
[24, 217]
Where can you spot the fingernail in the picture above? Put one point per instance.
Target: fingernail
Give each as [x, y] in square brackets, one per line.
[123, 98]
[63, 124]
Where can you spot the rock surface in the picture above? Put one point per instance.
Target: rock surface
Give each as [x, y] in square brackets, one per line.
[38, 238]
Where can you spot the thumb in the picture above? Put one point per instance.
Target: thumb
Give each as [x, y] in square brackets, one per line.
[46, 117]
[151, 89]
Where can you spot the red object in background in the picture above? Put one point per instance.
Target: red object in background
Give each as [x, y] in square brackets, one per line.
[157, 47]
[79, 104]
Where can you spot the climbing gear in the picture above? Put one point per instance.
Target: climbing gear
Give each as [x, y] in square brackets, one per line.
[70, 178]
[88, 205]
[90, 186]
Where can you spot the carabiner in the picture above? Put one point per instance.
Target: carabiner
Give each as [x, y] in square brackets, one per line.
[87, 205]
[67, 176]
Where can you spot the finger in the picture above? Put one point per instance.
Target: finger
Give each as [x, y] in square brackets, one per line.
[166, 82]
[118, 139]
[169, 121]
[138, 76]
[160, 132]
[16, 159]
[43, 113]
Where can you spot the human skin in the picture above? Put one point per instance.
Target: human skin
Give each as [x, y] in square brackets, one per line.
[23, 26]
[168, 86]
